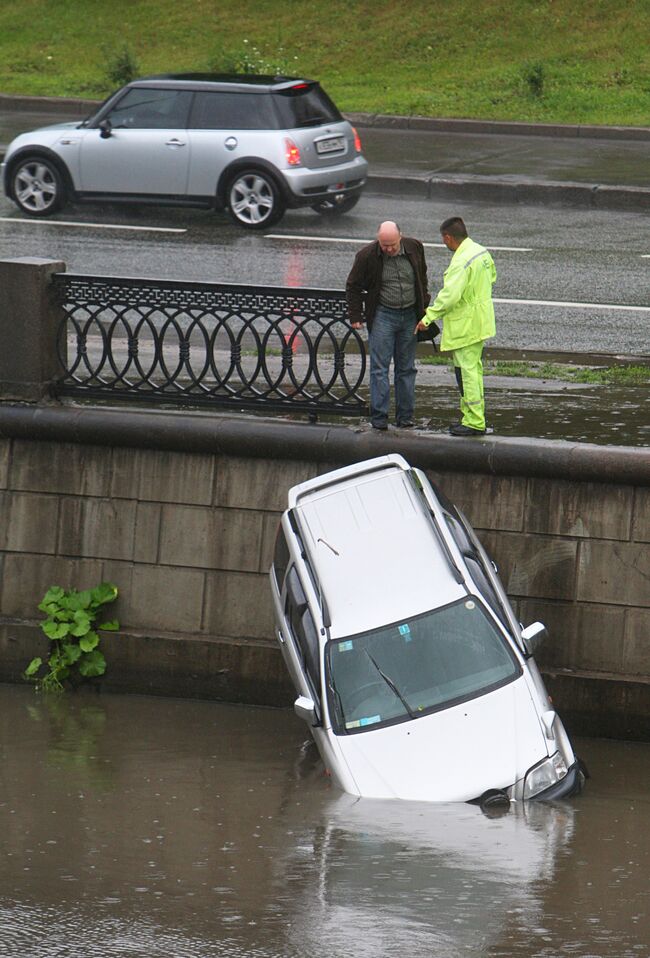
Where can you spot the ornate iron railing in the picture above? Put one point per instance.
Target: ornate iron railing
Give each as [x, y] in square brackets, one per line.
[208, 343]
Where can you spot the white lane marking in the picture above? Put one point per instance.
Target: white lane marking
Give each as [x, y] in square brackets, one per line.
[91, 226]
[552, 302]
[363, 242]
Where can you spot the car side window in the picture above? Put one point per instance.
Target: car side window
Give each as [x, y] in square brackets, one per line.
[146, 109]
[232, 111]
[303, 628]
[475, 566]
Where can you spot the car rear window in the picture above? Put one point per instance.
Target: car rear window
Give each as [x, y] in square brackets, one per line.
[305, 104]
[233, 111]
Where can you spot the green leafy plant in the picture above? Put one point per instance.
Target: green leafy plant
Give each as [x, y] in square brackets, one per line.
[249, 59]
[535, 77]
[74, 641]
[122, 67]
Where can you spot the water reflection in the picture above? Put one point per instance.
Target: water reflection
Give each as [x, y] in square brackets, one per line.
[73, 736]
[133, 826]
[440, 880]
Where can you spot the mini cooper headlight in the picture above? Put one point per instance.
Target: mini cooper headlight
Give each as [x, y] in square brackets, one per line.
[547, 773]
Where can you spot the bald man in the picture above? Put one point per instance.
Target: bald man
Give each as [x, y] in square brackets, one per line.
[387, 289]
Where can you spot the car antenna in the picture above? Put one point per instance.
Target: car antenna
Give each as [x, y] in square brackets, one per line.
[331, 548]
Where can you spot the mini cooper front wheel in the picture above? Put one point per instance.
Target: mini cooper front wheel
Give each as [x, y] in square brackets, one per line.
[254, 200]
[37, 186]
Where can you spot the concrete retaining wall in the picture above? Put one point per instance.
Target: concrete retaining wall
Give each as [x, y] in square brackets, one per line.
[180, 511]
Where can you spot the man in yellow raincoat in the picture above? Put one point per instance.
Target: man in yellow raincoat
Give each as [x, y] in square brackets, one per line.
[465, 305]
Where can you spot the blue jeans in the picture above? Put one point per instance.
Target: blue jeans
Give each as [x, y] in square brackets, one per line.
[392, 337]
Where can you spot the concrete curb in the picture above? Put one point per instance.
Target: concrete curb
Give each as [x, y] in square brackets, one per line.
[252, 437]
[47, 104]
[55, 104]
[501, 127]
[496, 190]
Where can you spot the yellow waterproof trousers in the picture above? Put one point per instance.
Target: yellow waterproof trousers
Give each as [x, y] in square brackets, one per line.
[469, 376]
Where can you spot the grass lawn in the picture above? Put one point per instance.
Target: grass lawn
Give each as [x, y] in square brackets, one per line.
[624, 375]
[566, 61]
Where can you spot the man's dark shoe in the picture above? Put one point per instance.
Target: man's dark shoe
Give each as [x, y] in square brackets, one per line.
[381, 425]
[458, 429]
[405, 423]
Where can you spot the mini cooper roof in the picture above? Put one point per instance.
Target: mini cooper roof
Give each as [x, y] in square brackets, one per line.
[225, 81]
[373, 545]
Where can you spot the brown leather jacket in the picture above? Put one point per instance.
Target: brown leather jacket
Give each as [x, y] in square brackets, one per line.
[364, 282]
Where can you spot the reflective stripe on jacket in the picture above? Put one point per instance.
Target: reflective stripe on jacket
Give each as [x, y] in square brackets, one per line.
[465, 301]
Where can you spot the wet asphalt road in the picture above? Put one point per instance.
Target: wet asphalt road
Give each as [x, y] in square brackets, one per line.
[573, 280]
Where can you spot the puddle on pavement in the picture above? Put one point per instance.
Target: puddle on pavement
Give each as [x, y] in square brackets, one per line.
[605, 415]
[134, 826]
[612, 416]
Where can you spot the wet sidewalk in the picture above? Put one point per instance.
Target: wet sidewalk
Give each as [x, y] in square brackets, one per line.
[578, 171]
[607, 167]
[605, 415]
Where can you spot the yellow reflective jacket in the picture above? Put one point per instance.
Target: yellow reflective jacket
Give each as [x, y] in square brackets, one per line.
[465, 301]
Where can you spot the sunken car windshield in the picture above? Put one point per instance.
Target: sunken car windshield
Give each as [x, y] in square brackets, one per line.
[406, 670]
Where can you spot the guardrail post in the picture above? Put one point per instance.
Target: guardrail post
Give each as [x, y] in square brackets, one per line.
[29, 326]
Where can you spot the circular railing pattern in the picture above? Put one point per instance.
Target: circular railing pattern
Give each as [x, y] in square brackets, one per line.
[212, 343]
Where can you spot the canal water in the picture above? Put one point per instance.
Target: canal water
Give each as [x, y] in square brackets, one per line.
[144, 827]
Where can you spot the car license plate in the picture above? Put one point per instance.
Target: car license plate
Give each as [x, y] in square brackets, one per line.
[330, 146]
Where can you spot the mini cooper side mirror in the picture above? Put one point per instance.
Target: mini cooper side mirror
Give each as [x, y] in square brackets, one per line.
[533, 636]
[305, 709]
[105, 128]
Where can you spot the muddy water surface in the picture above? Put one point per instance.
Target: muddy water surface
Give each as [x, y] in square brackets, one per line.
[133, 826]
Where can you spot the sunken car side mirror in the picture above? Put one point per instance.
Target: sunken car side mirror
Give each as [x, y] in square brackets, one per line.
[305, 709]
[533, 636]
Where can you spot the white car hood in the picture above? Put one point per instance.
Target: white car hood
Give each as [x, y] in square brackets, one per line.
[450, 756]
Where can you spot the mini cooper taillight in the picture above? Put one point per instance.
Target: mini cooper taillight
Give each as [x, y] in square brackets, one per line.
[292, 152]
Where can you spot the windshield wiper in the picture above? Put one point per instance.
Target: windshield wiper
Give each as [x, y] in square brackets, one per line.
[391, 685]
[312, 121]
[337, 698]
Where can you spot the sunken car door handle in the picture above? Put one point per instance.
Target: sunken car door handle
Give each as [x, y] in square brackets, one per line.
[174, 143]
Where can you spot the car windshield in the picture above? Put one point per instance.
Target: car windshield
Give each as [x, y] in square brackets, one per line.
[406, 670]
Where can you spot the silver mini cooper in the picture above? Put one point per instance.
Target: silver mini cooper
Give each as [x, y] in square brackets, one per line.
[254, 145]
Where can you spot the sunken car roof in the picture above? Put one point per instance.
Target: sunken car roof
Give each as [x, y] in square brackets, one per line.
[374, 550]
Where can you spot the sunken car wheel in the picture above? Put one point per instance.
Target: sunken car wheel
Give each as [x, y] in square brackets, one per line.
[337, 205]
[37, 186]
[254, 200]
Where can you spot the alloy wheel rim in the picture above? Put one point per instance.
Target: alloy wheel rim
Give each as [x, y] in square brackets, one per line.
[251, 199]
[35, 186]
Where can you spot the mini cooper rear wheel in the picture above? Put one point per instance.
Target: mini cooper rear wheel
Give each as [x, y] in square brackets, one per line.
[254, 200]
[37, 186]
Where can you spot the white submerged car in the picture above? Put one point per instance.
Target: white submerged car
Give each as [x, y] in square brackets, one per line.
[410, 666]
